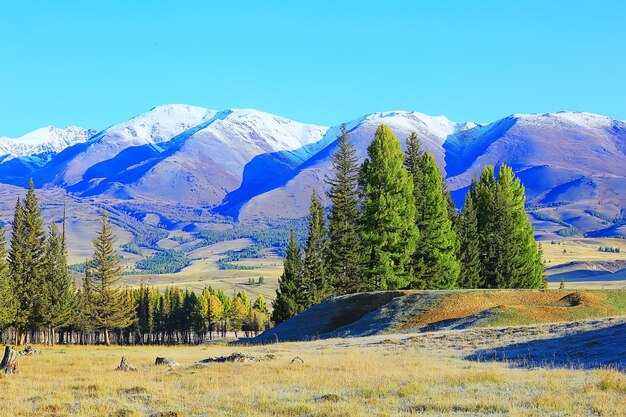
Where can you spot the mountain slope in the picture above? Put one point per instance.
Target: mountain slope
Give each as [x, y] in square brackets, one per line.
[255, 166]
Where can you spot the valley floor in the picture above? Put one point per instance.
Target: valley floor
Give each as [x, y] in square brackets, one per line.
[459, 372]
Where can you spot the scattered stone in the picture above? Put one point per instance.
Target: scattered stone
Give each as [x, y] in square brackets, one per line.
[297, 359]
[29, 350]
[166, 361]
[9, 361]
[125, 366]
[235, 357]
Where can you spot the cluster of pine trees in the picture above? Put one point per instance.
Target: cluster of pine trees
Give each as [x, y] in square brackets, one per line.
[392, 224]
[40, 302]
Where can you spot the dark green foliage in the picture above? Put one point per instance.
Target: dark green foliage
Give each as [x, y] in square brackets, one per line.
[286, 305]
[7, 300]
[163, 262]
[469, 244]
[59, 292]
[609, 249]
[274, 235]
[236, 255]
[26, 261]
[434, 261]
[344, 243]
[315, 286]
[570, 231]
[109, 307]
[510, 257]
[388, 226]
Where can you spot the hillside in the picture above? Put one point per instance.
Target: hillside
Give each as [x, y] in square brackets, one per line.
[375, 313]
[257, 167]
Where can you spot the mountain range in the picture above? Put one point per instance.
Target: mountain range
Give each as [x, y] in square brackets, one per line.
[255, 167]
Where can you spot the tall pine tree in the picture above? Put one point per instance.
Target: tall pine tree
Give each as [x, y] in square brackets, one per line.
[509, 254]
[286, 305]
[434, 261]
[27, 264]
[388, 213]
[314, 274]
[60, 299]
[485, 203]
[7, 299]
[110, 308]
[344, 243]
[519, 263]
[469, 243]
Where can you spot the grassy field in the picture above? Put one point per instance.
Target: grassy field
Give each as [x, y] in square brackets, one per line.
[581, 249]
[384, 380]
[204, 271]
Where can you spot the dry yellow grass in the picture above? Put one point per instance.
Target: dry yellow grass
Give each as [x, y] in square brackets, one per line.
[581, 249]
[385, 380]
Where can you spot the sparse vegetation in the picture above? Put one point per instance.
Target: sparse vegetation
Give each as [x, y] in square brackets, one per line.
[385, 380]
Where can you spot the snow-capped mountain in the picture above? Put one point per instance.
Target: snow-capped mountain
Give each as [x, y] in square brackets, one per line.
[253, 165]
[46, 140]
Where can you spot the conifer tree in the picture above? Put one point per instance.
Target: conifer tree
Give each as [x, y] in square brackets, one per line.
[485, 204]
[518, 262]
[286, 305]
[434, 261]
[215, 310]
[388, 213]
[110, 309]
[26, 262]
[238, 314]
[7, 300]
[260, 305]
[469, 244]
[344, 252]
[314, 275]
[59, 297]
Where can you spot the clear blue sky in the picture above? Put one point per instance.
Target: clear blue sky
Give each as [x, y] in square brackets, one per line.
[94, 64]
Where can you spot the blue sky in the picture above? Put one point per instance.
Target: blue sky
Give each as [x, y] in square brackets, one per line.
[94, 64]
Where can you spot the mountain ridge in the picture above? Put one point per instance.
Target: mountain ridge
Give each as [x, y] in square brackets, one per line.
[252, 165]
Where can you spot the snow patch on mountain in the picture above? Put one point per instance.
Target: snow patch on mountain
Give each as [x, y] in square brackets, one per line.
[45, 140]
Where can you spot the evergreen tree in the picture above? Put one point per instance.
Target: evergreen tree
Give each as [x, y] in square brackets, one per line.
[83, 321]
[7, 301]
[469, 244]
[485, 204]
[286, 305]
[109, 308]
[509, 254]
[59, 296]
[388, 213]
[434, 261]
[26, 263]
[314, 275]
[518, 262]
[344, 243]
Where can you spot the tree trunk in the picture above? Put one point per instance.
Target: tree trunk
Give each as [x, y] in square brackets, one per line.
[9, 362]
[107, 341]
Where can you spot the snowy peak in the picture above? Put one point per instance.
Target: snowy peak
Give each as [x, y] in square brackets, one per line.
[439, 126]
[157, 125]
[44, 140]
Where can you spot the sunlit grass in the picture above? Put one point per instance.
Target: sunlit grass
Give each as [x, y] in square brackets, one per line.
[386, 380]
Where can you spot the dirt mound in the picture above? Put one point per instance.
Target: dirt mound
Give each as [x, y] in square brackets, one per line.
[418, 311]
[582, 298]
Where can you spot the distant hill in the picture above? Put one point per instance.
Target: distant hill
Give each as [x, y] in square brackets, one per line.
[257, 167]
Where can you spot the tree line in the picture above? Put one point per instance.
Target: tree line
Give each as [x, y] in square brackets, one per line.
[40, 302]
[392, 224]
